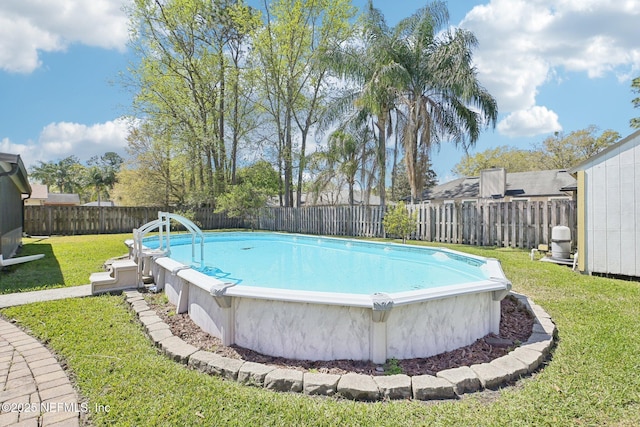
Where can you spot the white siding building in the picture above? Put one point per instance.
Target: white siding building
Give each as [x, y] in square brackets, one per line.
[609, 210]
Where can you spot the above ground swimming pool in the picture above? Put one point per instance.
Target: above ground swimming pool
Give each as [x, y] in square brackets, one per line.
[319, 298]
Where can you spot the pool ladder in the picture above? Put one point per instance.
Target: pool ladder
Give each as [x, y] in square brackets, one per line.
[143, 255]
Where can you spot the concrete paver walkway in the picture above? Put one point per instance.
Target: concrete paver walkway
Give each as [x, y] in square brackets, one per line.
[34, 389]
[21, 298]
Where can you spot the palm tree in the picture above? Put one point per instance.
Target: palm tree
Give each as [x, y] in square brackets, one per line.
[64, 174]
[373, 97]
[344, 149]
[101, 173]
[437, 88]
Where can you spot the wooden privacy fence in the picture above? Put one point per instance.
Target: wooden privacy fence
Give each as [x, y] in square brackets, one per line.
[359, 221]
[507, 224]
[68, 220]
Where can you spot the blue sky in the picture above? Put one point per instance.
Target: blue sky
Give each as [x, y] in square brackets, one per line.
[552, 65]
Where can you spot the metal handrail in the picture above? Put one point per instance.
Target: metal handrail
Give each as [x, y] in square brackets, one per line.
[191, 227]
[163, 225]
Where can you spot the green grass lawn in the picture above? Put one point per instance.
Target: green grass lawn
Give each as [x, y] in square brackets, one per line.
[68, 261]
[593, 378]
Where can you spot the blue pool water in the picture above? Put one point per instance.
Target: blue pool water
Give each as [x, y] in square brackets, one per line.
[312, 263]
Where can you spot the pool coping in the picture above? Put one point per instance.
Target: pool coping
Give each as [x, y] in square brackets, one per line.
[495, 280]
[447, 384]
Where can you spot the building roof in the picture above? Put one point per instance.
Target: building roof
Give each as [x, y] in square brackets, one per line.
[62, 199]
[460, 188]
[11, 165]
[39, 191]
[330, 198]
[102, 203]
[604, 152]
[519, 184]
[539, 183]
[338, 198]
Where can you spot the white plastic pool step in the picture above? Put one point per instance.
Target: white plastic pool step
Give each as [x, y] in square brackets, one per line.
[119, 276]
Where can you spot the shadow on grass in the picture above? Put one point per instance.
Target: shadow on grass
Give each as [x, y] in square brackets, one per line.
[34, 275]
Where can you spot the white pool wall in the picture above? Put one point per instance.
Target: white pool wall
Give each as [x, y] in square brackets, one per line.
[311, 325]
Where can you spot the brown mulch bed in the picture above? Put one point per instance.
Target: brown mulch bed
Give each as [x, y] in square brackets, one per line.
[516, 323]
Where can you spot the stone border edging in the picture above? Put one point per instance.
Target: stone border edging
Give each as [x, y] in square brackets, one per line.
[447, 384]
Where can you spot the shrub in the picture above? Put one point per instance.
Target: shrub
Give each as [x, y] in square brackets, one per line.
[399, 222]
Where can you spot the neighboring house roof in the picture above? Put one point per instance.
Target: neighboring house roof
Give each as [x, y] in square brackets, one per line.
[102, 203]
[539, 183]
[39, 192]
[457, 189]
[62, 199]
[518, 184]
[337, 198]
[11, 165]
[330, 198]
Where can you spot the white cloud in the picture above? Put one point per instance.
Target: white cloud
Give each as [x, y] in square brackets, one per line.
[6, 146]
[31, 26]
[63, 139]
[531, 122]
[525, 43]
[20, 42]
